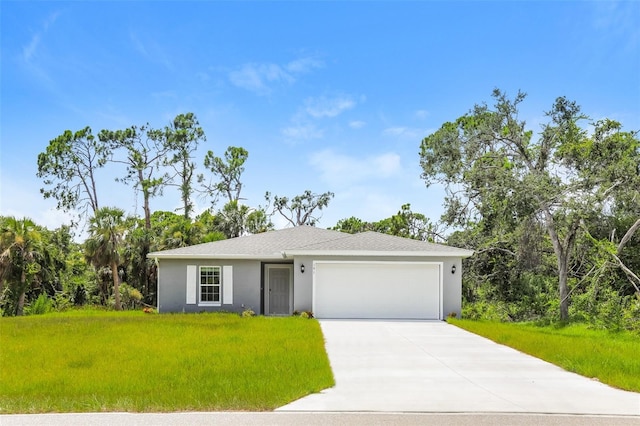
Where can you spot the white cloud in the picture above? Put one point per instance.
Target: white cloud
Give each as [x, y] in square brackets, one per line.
[303, 65]
[256, 77]
[21, 199]
[405, 132]
[422, 114]
[328, 107]
[260, 77]
[302, 132]
[29, 51]
[151, 51]
[344, 170]
[357, 124]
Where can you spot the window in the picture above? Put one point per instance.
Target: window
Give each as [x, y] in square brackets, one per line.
[210, 284]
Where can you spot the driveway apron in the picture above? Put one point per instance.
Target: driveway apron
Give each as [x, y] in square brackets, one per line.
[422, 366]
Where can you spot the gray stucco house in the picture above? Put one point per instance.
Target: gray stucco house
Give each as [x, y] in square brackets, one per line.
[331, 273]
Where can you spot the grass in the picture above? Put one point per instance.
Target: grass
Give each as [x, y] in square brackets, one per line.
[610, 357]
[91, 361]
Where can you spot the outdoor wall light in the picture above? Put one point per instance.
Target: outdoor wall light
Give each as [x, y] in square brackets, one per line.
[302, 268]
[453, 269]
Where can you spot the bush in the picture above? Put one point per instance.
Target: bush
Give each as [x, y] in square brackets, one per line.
[61, 302]
[248, 313]
[631, 315]
[42, 305]
[130, 297]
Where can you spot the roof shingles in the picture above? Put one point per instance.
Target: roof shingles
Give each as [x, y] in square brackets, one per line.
[307, 239]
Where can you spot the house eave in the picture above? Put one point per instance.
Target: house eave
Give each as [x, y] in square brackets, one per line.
[214, 256]
[288, 254]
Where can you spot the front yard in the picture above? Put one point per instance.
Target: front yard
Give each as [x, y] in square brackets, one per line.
[108, 361]
[610, 357]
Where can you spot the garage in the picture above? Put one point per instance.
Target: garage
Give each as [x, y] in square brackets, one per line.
[376, 289]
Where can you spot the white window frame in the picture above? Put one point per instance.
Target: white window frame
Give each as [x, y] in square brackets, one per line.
[218, 284]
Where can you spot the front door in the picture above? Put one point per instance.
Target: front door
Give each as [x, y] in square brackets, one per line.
[279, 294]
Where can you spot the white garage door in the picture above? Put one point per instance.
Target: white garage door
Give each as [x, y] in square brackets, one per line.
[402, 290]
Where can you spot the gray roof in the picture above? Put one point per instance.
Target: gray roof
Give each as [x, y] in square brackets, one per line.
[309, 240]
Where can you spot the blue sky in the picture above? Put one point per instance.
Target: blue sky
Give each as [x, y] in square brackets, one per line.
[328, 96]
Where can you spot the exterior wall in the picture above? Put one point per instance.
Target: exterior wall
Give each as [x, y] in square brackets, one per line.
[247, 276]
[302, 284]
[172, 285]
[452, 288]
[451, 283]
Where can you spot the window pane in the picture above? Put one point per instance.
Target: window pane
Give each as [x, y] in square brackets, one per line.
[210, 284]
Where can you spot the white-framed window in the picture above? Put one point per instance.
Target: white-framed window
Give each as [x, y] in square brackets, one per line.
[209, 285]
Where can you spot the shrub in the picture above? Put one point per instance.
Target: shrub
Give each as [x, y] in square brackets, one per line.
[248, 313]
[130, 297]
[41, 305]
[61, 302]
[631, 315]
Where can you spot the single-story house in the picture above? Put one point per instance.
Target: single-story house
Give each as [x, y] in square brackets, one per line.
[330, 273]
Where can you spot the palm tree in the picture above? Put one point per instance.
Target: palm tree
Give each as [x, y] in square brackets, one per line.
[23, 257]
[106, 230]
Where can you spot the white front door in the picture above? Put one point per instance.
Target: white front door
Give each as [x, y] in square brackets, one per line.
[279, 294]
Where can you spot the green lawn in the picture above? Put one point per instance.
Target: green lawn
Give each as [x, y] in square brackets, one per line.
[108, 361]
[612, 358]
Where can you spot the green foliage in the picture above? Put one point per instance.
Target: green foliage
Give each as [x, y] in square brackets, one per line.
[301, 209]
[25, 262]
[405, 223]
[227, 171]
[182, 138]
[134, 362]
[68, 168]
[611, 357]
[102, 248]
[42, 305]
[131, 298]
[144, 150]
[505, 185]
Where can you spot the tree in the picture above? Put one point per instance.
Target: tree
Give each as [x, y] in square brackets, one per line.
[300, 209]
[608, 163]
[495, 172]
[182, 138]
[235, 220]
[106, 231]
[144, 150]
[407, 224]
[23, 260]
[352, 225]
[171, 230]
[231, 220]
[227, 171]
[257, 221]
[68, 167]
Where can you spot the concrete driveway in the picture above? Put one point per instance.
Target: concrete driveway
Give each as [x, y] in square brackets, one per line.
[421, 366]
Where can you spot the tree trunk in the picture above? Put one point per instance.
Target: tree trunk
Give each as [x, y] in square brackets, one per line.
[116, 286]
[562, 250]
[563, 269]
[144, 275]
[20, 308]
[23, 293]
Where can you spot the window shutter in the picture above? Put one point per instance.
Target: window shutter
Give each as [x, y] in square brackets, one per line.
[227, 285]
[192, 285]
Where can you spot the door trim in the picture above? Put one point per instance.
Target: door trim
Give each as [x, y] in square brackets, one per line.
[265, 286]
